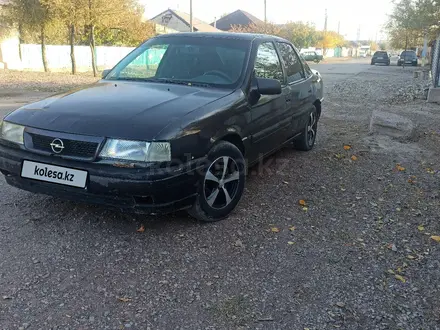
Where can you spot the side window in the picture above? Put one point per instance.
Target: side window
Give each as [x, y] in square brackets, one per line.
[307, 71]
[267, 63]
[292, 62]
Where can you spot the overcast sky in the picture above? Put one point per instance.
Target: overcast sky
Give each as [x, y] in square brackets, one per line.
[370, 15]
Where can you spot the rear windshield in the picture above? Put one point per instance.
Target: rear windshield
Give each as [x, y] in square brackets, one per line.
[408, 53]
[380, 54]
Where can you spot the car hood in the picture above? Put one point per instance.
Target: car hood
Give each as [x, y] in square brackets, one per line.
[126, 110]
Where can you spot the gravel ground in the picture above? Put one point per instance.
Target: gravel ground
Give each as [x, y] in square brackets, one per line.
[42, 82]
[357, 255]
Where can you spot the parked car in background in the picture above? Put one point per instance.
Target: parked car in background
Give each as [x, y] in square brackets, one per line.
[380, 57]
[408, 57]
[312, 56]
[178, 134]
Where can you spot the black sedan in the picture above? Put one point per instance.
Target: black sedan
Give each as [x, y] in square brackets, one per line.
[380, 57]
[408, 57]
[174, 125]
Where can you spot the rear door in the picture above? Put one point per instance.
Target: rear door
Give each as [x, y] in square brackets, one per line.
[294, 118]
[266, 126]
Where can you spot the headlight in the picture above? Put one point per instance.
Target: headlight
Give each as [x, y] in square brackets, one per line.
[11, 132]
[136, 151]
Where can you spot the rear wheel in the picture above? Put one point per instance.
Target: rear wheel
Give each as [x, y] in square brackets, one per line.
[221, 184]
[307, 139]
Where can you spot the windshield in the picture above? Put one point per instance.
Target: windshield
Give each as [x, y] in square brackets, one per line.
[407, 53]
[205, 61]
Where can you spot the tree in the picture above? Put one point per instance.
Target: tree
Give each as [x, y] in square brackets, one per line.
[113, 14]
[411, 20]
[30, 15]
[269, 28]
[71, 14]
[302, 35]
[330, 39]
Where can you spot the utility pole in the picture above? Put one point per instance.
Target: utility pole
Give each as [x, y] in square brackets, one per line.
[339, 26]
[191, 15]
[265, 16]
[325, 21]
[358, 39]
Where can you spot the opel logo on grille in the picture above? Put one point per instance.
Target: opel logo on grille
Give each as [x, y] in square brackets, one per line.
[57, 146]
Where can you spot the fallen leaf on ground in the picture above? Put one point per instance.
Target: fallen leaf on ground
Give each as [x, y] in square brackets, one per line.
[292, 228]
[274, 230]
[390, 271]
[435, 238]
[141, 229]
[400, 168]
[290, 242]
[347, 147]
[410, 257]
[354, 158]
[421, 228]
[400, 278]
[305, 208]
[123, 299]
[302, 202]
[430, 171]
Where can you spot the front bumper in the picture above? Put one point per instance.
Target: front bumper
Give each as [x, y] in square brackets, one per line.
[140, 190]
[413, 62]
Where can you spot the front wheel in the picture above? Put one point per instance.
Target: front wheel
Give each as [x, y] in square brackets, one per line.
[221, 184]
[307, 139]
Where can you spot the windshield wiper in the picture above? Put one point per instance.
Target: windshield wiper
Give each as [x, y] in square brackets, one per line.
[166, 81]
[181, 82]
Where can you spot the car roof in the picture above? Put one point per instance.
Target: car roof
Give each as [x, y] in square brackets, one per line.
[227, 35]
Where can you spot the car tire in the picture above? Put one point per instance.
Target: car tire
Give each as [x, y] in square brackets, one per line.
[306, 140]
[220, 187]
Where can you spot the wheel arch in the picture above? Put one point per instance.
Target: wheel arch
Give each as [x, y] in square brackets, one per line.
[232, 137]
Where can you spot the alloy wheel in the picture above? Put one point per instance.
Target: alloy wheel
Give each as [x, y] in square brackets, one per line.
[311, 128]
[221, 182]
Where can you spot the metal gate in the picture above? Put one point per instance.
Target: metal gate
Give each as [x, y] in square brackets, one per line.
[436, 63]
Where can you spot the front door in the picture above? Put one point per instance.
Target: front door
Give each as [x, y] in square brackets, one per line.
[266, 126]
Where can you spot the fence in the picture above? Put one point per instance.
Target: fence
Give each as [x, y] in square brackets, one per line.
[436, 63]
[58, 57]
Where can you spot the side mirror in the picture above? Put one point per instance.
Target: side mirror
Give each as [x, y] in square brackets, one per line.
[268, 86]
[105, 73]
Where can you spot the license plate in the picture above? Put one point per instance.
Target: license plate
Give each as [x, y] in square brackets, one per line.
[55, 174]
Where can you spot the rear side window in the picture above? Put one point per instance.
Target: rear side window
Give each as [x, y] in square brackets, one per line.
[291, 62]
[267, 63]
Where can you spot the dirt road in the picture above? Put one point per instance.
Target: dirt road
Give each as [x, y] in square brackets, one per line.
[357, 256]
